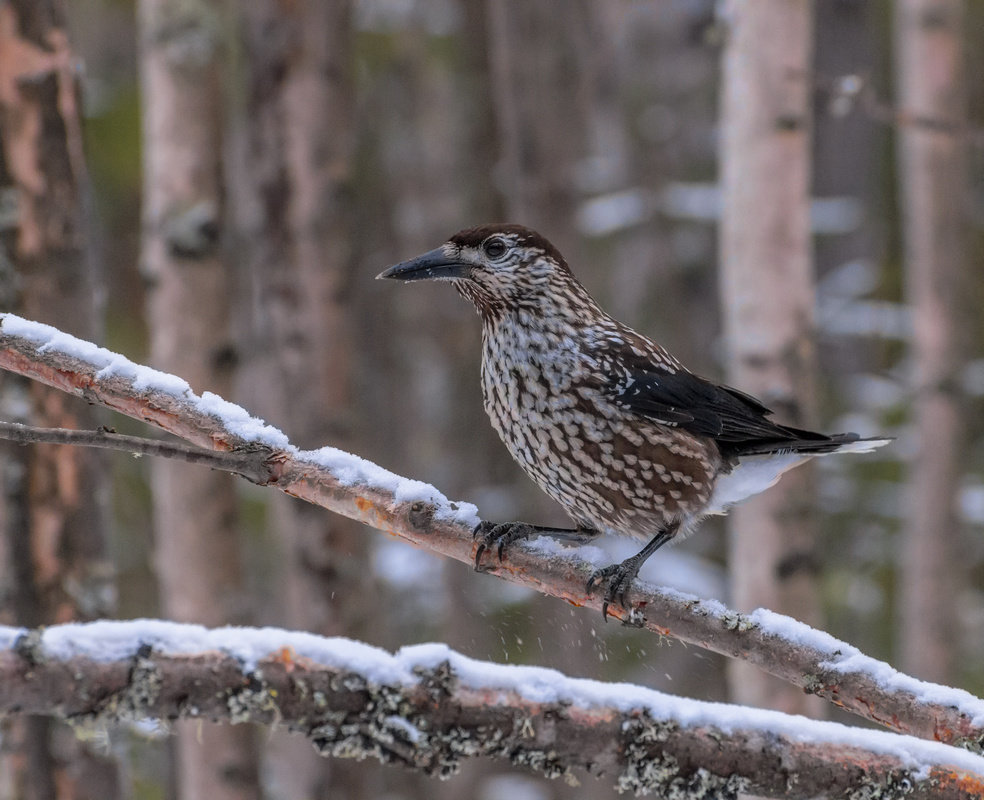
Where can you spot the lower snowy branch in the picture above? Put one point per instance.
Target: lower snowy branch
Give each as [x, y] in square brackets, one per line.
[430, 708]
[420, 514]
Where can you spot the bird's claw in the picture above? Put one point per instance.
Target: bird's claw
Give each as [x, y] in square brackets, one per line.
[616, 578]
[498, 535]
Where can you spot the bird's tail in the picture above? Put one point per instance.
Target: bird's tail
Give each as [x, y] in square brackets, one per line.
[859, 445]
[814, 444]
[755, 470]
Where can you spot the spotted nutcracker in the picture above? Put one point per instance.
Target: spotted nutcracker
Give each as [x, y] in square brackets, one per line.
[606, 421]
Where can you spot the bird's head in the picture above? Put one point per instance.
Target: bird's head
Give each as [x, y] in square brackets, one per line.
[495, 266]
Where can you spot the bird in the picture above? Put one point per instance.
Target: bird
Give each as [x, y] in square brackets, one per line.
[604, 420]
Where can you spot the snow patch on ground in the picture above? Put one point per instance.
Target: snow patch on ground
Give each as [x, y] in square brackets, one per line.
[9, 635]
[113, 640]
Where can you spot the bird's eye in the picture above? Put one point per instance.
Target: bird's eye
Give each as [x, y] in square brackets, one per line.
[494, 247]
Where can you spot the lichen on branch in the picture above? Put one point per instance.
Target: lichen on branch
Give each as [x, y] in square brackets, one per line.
[419, 514]
[430, 709]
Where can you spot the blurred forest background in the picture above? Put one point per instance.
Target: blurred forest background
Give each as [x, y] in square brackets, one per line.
[213, 186]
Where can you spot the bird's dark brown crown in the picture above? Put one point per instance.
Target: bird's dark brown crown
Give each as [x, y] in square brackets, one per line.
[526, 272]
[525, 237]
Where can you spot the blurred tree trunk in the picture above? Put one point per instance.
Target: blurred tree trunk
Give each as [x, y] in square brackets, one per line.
[294, 219]
[767, 293]
[481, 142]
[198, 552]
[843, 142]
[53, 502]
[933, 168]
[539, 99]
[543, 81]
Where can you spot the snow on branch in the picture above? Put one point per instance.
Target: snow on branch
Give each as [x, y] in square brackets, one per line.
[418, 513]
[430, 708]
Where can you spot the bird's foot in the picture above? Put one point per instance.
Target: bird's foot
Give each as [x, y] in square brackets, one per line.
[498, 535]
[619, 576]
[616, 578]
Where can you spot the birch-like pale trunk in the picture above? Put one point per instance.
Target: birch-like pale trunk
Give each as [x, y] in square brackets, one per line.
[767, 293]
[196, 535]
[933, 168]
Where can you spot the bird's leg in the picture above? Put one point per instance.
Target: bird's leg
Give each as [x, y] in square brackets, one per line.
[499, 535]
[619, 576]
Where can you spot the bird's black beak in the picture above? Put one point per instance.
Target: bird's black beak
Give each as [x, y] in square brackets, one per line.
[432, 266]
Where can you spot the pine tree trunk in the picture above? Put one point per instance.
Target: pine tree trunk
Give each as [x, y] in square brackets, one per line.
[53, 502]
[196, 531]
[767, 291]
[539, 112]
[933, 168]
[293, 213]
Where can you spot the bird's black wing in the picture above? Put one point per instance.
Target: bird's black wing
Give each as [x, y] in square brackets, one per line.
[736, 421]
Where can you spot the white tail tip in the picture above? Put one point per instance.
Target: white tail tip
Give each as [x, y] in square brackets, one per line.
[861, 446]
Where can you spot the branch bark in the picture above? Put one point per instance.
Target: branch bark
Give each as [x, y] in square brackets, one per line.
[429, 708]
[419, 514]
[247, 463]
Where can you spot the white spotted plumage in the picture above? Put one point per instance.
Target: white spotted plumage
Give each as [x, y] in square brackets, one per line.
[540, 362]
[604, 420]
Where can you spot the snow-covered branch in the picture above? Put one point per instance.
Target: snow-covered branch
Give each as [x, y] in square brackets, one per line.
[430, 708]
[421, 515]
